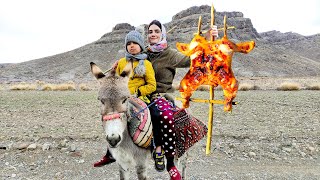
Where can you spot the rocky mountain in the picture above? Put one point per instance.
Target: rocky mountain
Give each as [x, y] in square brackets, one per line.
[276, 54]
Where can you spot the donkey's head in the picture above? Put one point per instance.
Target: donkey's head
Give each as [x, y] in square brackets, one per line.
[113, 94]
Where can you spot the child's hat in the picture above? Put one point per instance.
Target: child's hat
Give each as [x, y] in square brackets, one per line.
[135, 36]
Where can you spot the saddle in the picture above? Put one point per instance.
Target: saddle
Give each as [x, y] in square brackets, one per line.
[189, 130]
[139, 122]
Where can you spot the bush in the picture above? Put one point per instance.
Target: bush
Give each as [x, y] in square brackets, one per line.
[23, 87]
[289, 86]
[315, 86]
[247, 87]
[48, 87]
[84, 87]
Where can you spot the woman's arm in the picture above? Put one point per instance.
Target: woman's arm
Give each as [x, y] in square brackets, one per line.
[179, 60]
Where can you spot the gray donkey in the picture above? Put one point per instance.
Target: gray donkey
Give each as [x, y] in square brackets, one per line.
[114, 94]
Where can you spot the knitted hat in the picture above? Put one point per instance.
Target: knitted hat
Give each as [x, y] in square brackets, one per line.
[135, 36]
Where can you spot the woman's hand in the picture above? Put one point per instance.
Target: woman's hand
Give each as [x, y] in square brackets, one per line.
[114, 66]
[212, 32]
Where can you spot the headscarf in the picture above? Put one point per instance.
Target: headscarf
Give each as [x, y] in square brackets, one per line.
[162, 44]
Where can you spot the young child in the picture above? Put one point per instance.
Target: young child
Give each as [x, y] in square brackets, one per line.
[142, 80]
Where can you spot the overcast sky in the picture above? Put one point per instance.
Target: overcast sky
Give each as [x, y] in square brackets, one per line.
[31, 29]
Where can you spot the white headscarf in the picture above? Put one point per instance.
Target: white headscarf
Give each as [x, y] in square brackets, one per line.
[162, 44]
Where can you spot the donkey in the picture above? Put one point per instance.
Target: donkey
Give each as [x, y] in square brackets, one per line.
[114, 94]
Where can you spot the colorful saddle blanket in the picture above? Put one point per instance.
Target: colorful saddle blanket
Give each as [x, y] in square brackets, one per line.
[189, 130]
[139, 122]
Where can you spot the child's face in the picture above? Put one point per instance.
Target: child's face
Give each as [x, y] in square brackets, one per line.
[154, 34]
[133, 48]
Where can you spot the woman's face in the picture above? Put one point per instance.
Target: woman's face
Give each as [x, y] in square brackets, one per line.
[154, 34]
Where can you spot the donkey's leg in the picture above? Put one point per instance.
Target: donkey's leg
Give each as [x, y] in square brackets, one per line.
[141, 167]
[124, 173]
[182, 164]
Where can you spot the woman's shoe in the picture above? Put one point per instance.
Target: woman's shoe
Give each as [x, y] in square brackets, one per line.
[158, 161]
[174, 173]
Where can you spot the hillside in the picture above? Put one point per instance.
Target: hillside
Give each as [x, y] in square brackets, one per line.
[276, 54]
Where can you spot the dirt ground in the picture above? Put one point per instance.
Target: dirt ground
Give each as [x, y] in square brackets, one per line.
[58, 135]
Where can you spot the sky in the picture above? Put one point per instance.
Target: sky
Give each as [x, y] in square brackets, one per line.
[32, 29]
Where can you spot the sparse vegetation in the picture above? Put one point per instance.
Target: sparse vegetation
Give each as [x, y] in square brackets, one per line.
[40, 85]
[65, 87]
[84, 87]
[23, 86]
[247, 87]
[314, 86]
[289, 86]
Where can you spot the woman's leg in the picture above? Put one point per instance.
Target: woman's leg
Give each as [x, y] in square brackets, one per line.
[166, 110]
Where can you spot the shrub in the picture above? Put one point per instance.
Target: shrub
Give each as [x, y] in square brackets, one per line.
[23, 86]
[314, 86]
[84, 87]
[247, 87]
[65, 87]
[289, 86]
[48, 87]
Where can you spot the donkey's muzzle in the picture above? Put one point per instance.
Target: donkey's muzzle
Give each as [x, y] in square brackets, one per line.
[113, 140]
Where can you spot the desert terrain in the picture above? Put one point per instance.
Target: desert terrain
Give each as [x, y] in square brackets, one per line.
[57, 135]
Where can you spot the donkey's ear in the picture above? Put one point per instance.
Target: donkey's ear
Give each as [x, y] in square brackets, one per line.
[96, 71]
[127, 69]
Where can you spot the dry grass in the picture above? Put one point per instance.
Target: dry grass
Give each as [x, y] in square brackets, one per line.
[289, 86]
[66, 87]
[23, 86]
[59, 87]
[42, 86]
[48, 87]
[314, 86]
[247, 87]
[84, 87]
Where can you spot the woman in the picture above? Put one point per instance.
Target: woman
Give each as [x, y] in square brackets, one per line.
[164, 60]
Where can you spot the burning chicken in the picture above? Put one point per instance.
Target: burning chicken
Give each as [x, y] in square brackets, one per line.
[211, 65]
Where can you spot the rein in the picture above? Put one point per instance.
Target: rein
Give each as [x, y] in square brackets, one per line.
[136, 114]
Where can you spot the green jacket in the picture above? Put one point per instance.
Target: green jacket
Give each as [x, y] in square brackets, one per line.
[164, 64]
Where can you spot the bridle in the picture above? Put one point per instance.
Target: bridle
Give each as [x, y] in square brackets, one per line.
[112, 116]
[121, 115]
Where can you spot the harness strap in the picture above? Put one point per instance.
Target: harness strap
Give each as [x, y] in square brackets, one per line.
[111, 117]
[136, 114]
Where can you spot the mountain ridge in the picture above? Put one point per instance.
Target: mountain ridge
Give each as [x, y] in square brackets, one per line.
[276, 54]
